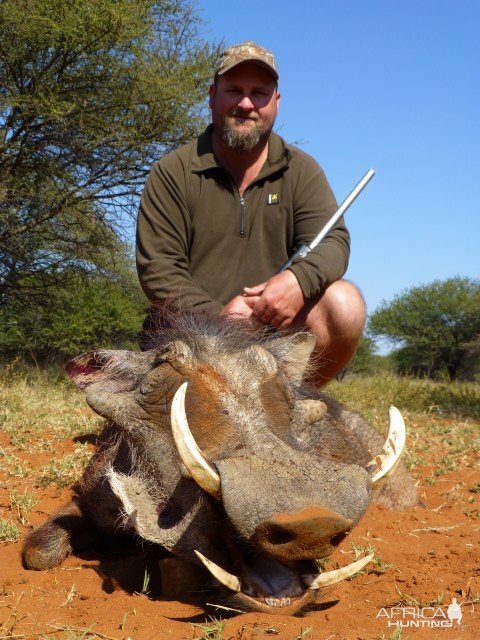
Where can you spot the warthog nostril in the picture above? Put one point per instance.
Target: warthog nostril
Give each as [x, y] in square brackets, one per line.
[338, 538]
[277, 535]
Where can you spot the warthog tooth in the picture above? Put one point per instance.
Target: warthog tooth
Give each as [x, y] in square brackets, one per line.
[227, 579]
[384, 463]
[277, 602]
[332, 577]
[191, 455]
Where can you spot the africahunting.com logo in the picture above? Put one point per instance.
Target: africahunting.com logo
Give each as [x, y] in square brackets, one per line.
[422, 617]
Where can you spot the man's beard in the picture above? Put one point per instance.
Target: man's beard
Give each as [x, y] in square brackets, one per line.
[244, 141]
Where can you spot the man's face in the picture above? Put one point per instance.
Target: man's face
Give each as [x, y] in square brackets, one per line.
[244, 104]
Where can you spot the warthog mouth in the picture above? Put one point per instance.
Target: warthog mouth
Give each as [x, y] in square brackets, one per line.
[265, 584]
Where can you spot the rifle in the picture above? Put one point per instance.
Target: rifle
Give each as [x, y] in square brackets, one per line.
[306, 248]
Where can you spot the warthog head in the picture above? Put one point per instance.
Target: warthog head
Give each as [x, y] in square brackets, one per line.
[216, 452]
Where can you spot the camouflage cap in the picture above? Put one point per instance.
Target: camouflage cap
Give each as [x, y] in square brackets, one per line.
[246, 52]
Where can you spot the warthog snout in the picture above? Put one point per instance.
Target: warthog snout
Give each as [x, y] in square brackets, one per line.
[311, 532]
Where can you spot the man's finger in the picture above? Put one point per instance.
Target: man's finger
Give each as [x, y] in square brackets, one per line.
[254, 291]
[263, 313]
[251, 301]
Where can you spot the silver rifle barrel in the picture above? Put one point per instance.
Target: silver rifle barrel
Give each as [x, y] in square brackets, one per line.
[306, 248]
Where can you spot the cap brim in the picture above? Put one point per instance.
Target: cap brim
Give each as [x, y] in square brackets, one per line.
[255, 61]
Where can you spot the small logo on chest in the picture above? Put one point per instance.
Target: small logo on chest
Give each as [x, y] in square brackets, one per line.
[273, 198]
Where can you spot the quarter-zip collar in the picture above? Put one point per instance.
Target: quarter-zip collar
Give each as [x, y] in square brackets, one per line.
[203, 158]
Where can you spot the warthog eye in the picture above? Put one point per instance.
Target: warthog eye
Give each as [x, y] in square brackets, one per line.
[169, 514]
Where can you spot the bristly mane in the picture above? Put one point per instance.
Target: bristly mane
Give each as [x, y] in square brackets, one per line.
[169, 322]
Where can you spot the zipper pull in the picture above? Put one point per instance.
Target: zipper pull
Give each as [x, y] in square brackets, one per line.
[242, 217]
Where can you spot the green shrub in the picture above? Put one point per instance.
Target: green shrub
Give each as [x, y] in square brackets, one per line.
[90, 313]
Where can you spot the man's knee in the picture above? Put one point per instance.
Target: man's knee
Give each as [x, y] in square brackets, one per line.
[345, 301]
[340, 309]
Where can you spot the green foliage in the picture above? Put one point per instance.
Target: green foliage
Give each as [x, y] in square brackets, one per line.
[211, 630]
[437, 326]
[64, 471]
[91, 93]
[364, 361]
[373, 395]
[89, 313]
[8, 531]
[22, 504]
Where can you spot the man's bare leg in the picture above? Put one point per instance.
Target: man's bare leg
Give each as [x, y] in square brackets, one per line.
[336, 319]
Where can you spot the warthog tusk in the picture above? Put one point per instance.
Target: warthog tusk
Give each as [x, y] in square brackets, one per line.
[227, 579]
[332, 577]
[191, 455]
[384, 462]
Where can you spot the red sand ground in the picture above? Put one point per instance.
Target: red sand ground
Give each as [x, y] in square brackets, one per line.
[433, 551]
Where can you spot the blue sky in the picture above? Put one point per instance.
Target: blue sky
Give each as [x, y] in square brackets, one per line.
[388, 85]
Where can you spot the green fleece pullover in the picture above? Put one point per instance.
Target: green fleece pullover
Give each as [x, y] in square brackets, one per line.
[198, 241]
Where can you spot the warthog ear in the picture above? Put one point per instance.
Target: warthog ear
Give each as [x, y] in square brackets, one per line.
[262, 358]
[293, 354]
[176, 353]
